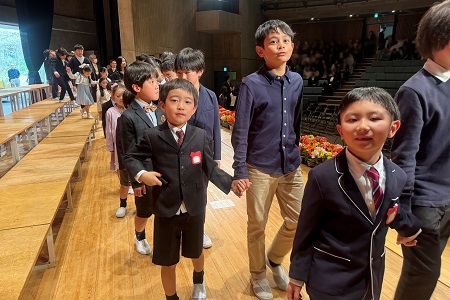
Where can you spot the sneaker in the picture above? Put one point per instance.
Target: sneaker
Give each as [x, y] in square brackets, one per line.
[74, 103]
[261, 288]
[207, 243]
[130, 190]
[89, 116]
[62, 100]
[121, 212]
[279, 276]
[199, 291]
[142, 246]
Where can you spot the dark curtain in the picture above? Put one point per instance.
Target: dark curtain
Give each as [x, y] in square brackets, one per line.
[115, 29]
[99, 19]
[35, 25]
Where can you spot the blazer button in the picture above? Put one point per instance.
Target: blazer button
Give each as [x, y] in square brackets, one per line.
[182, 168]
[181, 153]
[183, 183]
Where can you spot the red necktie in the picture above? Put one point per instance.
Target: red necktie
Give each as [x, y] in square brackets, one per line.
[180, 135]
[377, 191]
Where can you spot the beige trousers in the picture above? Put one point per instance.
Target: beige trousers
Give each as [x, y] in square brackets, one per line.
[289, 191]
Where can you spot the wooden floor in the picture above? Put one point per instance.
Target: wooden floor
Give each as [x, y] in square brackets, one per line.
[97, 260]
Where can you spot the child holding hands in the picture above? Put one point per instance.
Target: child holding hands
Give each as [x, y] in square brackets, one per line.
[83, 82]
[348, 204]
[180, 157]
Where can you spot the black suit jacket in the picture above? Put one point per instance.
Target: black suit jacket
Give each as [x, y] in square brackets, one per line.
[105, 106]
[134, 121]
[184, 177]
[74, 65]
[58, 66]
[338, 247]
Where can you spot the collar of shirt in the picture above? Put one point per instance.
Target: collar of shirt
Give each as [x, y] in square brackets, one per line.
[357, 170]
[271, 77]
[174, 130]
[80, 59]
[437, 70]
[358, 167]
[151, 114]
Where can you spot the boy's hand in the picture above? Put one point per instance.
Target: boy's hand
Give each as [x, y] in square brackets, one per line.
[407, 241]
[293, 292]
[140, 191]
[56, 74]
[150, 178]
[240, 186]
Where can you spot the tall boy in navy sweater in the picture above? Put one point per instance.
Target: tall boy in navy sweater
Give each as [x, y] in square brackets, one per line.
[422, 149]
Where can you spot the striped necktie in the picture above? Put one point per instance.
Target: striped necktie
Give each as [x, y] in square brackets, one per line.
[377, 191]
[180, 134]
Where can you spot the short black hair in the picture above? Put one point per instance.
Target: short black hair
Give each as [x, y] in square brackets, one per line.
[433, 33]
[373, 94]
[175, 84]
[137, 73]
[112, 60]
[78, 46]
[165, 55]
[142, 57]
[127, 98]
[190, 60]
[103, 69]
[264, 29]
[168, 64]
[61, 51]
[46, 53]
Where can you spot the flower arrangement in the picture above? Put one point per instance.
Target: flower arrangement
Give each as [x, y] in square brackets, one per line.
[316, 149]
[227, 117]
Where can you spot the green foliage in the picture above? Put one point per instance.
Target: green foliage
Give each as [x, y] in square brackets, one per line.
[11, 53]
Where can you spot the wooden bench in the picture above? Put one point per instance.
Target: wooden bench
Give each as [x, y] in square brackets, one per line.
[26, 120]
[31, 194]
[23, 96]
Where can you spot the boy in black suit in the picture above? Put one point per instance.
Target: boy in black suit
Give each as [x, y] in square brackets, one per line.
[180, 159]
[348, 204]
[140, 79]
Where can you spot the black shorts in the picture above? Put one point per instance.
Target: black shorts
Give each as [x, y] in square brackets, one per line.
[144, 204]
[124, 178]
[167, 235]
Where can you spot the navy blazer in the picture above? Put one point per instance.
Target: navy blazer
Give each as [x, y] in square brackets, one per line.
[207, 117]
[338, 248]
[134, 121]
[184, 175]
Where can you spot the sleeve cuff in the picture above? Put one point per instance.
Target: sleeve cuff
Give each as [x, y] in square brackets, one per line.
[416, 235]
[296, 282]
[138, 175]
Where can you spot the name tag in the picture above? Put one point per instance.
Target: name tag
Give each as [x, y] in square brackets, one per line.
[196, 157]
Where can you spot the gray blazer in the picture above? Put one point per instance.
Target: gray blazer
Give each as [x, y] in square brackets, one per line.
[180, 167]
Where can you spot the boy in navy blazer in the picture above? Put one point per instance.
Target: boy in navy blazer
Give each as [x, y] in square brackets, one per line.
[346, 211]
[181, 158]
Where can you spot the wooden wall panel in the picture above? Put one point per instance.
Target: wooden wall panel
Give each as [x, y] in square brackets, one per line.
[407, 26]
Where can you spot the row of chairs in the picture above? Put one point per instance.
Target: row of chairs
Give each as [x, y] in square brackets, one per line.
[410, 69]
[397, 63]
[319, 119]
[386, 76]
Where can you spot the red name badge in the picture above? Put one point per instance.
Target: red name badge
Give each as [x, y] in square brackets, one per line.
[196, 157]
[392, 212]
